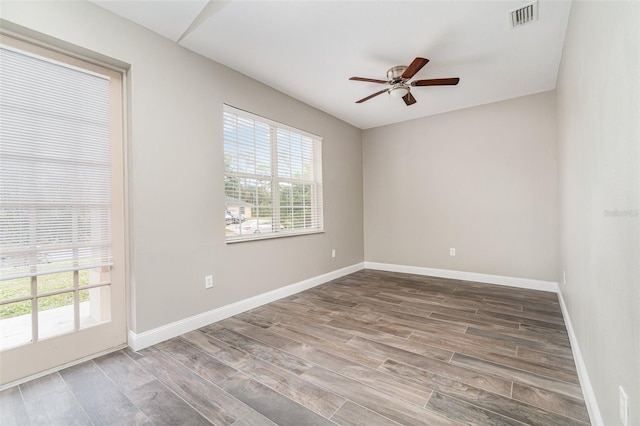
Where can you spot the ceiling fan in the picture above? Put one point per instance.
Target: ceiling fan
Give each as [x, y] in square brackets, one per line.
[398, 77]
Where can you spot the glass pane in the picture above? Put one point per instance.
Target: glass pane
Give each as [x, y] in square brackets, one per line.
[249, 206]
[247, 146]
[52, 282]
[256, 226]
[15, 324]
[286, 218]
[295, 155]
[55, 315]
[95, 306]
[93, 276]
[284, 154]
[84, 277]
[262, 139]
[298, 218]
[307, 159]
[295, 205]
[19, 287]
[230, 145]
[256, 195]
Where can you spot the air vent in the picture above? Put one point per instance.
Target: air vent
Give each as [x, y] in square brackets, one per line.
[524, 15]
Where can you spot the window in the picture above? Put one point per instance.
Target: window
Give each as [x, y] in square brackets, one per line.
[273, 178]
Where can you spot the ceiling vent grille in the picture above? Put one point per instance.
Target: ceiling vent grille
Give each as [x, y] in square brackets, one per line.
[524, 15]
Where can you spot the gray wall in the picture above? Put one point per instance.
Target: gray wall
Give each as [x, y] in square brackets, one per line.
[599, 180]
[481, 180]
[177, 168]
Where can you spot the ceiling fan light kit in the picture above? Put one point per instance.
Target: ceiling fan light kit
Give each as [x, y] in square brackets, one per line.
[398, 77]
[399, 91]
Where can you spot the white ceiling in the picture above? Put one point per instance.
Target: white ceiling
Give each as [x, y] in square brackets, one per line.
[309, 49]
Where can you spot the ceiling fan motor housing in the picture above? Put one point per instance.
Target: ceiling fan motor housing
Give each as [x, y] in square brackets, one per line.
[399, 88]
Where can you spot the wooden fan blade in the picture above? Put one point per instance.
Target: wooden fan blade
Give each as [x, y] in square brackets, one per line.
[371, 96]
[415, 66]
[370, 80]
[409, 99]
[436, 82]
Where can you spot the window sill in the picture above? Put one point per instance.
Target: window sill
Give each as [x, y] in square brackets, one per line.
[270, 236]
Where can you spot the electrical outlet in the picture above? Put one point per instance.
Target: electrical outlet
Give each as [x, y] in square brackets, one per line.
[564, 276]
[333, 253]
[623, 407]
[208, 281]
[452, 252]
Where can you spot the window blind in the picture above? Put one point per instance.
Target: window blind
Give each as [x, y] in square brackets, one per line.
[55, 194]
[273, 178]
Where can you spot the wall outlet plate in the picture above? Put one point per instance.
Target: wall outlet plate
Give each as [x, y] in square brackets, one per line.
[208, 281]
[452, 252]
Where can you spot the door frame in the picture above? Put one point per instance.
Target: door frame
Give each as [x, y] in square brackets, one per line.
[36, 359]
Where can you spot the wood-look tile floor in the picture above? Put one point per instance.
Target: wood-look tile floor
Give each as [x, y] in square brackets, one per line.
[371, 348]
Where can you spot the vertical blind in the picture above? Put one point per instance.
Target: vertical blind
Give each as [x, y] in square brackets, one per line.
[55, 182]
[274, 172]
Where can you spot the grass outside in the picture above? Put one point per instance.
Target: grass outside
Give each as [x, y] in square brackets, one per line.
[20, 287]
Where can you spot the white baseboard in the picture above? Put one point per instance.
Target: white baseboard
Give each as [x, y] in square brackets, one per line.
[551, 286]
[585, 383]
[165, 332]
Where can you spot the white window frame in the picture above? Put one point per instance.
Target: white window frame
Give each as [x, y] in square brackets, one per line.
[314, 182]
